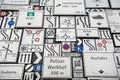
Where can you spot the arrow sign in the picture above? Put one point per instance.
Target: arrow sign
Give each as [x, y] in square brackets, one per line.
[38, 58]
[101, 71]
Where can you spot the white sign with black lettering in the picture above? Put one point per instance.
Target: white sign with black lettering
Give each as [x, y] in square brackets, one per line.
[16, 2]
[16, 7]
[69, 7]
[97, 64]
[57, 67]
[88, 32]
[11, 71]
[65, 35]
[67, 54]
[113, 17]
[30, 18]
[114, 20]
[97, 4]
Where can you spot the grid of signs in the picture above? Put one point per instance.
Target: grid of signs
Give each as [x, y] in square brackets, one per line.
[59, 39]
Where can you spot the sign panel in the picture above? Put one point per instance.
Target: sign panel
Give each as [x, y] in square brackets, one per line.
[97, 64]
[13, 71]
[57, 67]
[69, 7]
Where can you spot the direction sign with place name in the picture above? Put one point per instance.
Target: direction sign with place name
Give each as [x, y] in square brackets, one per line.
[97, 64]
[57, 67]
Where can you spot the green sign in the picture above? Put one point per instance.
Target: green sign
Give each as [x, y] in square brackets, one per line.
[30, 14]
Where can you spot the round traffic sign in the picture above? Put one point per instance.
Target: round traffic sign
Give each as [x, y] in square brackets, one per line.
[66, 46]
[38, 68]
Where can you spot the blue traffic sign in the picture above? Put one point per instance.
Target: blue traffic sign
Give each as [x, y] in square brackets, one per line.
[79, 49]
[38, 68]
[10, 23]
